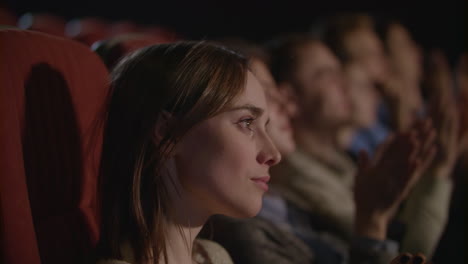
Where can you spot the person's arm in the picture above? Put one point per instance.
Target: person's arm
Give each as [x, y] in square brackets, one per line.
[425, 214]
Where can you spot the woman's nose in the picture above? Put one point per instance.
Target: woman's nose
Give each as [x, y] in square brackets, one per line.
[269, 154]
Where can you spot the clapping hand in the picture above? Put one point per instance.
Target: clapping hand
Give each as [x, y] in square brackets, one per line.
[444, 113]
[383, 183]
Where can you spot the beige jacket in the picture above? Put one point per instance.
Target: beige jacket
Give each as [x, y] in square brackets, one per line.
[215, 254]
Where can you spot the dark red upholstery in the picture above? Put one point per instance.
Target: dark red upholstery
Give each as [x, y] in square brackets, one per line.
[51, 91]
[88, 30]
[112, 50]
[123, 27]
[165, 35]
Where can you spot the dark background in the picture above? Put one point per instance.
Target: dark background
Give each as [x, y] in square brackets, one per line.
[439, 24]
[434, 24]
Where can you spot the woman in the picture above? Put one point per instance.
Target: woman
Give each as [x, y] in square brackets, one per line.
[185, 138]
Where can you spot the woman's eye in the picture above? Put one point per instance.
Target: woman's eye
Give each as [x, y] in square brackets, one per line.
[246, 123]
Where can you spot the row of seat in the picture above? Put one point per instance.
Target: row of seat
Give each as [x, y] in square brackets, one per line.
[86, 30]
[52, 90]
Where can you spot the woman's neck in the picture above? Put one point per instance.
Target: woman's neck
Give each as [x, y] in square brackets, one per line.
[179, 244]
[183, 227]
[183, 224]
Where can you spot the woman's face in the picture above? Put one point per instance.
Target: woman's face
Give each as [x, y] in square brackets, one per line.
[223, 162]
[281, 109]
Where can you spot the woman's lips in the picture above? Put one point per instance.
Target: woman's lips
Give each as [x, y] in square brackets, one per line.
[262, 182]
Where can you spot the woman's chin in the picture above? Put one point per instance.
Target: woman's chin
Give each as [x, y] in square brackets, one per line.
[247, 211]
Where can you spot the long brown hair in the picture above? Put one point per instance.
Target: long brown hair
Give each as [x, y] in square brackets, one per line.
[188, 81]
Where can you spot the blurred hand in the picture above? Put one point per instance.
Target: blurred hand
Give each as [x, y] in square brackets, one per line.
[439, 76]
[404, 101]
[382, 184]
[407, 258]
[462, 82]
[445, 116]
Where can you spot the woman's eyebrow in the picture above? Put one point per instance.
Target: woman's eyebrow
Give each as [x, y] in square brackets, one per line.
[256, 111]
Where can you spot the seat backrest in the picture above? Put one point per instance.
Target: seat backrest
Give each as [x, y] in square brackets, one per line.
[164, 34]
[88, 30]
[50, 94]
[114, 49]
[43, 22]
[123, 27]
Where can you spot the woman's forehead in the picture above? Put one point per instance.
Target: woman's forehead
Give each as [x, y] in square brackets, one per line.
[253, 94]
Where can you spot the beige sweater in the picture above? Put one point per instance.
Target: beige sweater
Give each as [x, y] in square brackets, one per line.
[316, 186]
[215, 254]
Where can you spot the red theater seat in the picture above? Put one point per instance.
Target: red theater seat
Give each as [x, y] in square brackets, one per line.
[123, 27]
[87, 30]
[165, 35]
[51, 91]
[45, 23]
[112, 50]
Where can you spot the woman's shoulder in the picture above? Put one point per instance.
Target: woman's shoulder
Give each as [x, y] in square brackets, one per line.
[210, 252]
